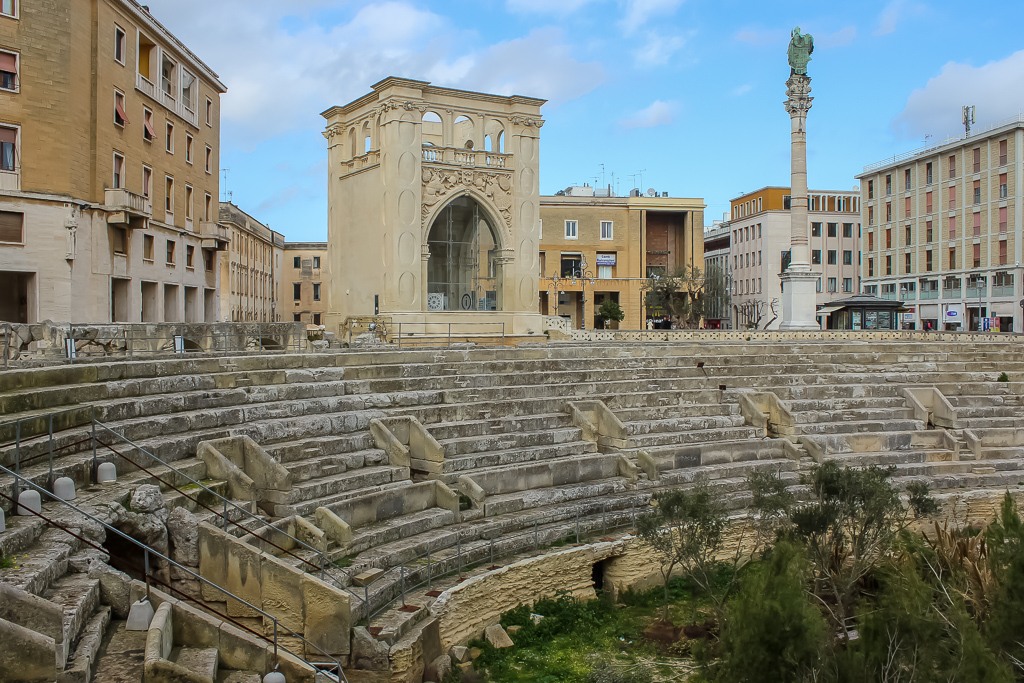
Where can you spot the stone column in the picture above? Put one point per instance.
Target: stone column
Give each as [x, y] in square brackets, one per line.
[799, 281]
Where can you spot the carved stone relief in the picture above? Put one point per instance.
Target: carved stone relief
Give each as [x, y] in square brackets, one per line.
[439, 183]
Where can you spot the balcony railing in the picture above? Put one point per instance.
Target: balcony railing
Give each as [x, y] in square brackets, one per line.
[145, 86]
[465, 157]
[929, 294]
[120, 199]
[214, 235]
[1002, 290]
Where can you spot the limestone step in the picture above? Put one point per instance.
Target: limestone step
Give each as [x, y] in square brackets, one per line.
[82, 661]
[862, 426]
[885, 459]
[470, 445]
[465, 464]
[201, 661]
[396, 528]
[35, 569]
[518, 501]
[300, 450]
[357, 483]
[225, 676]
[711, 435]
[21, 533]
[505, 425]
[121, 655]
[683, 424]
[730, 477]
[319, 465]
[205, 495]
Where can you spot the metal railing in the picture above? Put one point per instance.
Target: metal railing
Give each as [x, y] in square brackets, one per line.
[429, 568]
[479, 331]
[8, 330]
[52, 451]
[148, 572]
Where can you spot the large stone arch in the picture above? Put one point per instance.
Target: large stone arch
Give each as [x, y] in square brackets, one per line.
[464, 240]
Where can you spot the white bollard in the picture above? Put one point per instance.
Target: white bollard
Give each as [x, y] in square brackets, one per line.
[140, 616]
[29, 502]
[64, 488]
[274, 677]
[3, 521]
[106, 473]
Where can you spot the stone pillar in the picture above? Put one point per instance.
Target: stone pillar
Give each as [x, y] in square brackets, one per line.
[799, 281]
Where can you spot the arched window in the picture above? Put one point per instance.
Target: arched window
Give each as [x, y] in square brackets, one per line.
[367, 138]
[463, 273]
[464, 132]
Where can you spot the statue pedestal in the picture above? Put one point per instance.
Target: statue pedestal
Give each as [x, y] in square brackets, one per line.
[799, 294]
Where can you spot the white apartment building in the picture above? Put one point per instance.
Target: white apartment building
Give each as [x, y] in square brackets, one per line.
[943, 231]
[759, 239]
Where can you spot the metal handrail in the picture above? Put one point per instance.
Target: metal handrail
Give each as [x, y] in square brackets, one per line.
[426, 325]
[226, 504]
[148, 550]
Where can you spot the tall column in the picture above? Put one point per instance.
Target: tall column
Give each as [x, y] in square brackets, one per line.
[799, 281]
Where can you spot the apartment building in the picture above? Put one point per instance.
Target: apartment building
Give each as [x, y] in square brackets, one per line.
[598, 247]
[250, 275]
[718, 263]
[109, 156]
[303, 292]
[760, 228]
[943, 231]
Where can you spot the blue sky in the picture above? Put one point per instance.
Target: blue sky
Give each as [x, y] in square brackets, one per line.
[684, 96]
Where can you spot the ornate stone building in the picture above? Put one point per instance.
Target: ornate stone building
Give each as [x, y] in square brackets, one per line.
[109, 157]
[434, 208]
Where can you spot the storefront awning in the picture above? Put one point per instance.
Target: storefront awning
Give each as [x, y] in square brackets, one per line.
[825, 310]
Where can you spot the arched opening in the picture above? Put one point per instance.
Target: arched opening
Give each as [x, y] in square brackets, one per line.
[464, 132]
[494, 137]
[463, 273]
[367, 138]
[432, 131]
[352, 143]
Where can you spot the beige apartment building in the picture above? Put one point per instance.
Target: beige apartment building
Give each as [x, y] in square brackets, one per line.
[251, 273]
[597, 247]
[759, 238]
[109, 155]
[303, 290]
[943, 231]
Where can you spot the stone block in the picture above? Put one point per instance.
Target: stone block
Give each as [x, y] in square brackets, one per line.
[497, 636]
[282, 594]
[327, 618]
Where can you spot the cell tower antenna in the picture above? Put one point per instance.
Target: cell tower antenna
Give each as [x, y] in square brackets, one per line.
[968, 119]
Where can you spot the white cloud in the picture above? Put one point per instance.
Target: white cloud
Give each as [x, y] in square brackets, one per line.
[896, 12]
[657, 113]
[657, 49]
[560, 7]
[840, 38]
[639, 12]
[995, 89]
[741, 90]
[761, 37]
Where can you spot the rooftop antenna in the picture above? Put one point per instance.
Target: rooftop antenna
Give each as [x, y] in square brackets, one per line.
[640, 173]
[926, 137]
[602, 174]
[968, 119]
[225, 194]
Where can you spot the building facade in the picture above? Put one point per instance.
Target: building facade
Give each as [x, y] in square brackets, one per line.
[109, 156]
[943, 232]
[612, 245]
[303, 292]
[718, 263]
[760, 230]
[434, 208]
[251, 273]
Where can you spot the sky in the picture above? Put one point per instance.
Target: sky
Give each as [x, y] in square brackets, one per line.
[682, 96]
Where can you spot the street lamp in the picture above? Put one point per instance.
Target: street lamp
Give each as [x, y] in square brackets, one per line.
[580, 273]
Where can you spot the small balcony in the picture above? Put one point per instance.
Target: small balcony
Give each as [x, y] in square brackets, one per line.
[127, 208]
[460, 156]
[214, 235]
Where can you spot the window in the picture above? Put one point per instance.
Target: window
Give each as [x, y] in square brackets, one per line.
[871, 189]
[207, 206]
[929, 260]
[952, 227]
[832, 257]
[188, 90]
[9, 8]
[906, 263]
[296, 291]
[952, 198]
[1002, 253]
[190, 256]
[147, 247]
[208, 259]
[871, 267]
[871, 241]
[977, 256]
[908, 236]
[929, 234]
[1002, 220]
[209, 159]
[928, 173]
[8, 149]
[888, 265]
[148, 131]
[832, 284]
[847, 284]
[147, 180]
[848, 230]
[12, 227]
[119, 44]
[906, 179]
[171, 244]
[188, 148]
[816, 256]
[316, 318]
[606, 230]
[8, 71]
[571, 230]
[871, 215]
[170, 137]
[847, 257]
[209, 111]
[570, 265]
[888, 212]
[977, 191]
[888, 238]
[833, 229]
[976, 223]
[316, 261]
[119, 240]
[118, 179]
[169, 194]
[316, 291]
[977, 160]
[120, 117]
[817, 286]
[952, 257]
[1002, 152]
[906, 207]
[888, 184]
[296, 262]
[952, 165]
[815, 229]
[188, 202]
[1002, 186]
[787, 201]
[928, 202]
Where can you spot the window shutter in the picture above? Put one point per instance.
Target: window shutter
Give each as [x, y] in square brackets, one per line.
[8, 135]
[11, 224]
[8, 62]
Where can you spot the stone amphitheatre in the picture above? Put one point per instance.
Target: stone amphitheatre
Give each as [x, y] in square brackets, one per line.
[354, 514]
